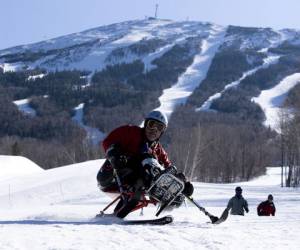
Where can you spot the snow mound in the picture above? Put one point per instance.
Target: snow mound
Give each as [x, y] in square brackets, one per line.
[12, 166]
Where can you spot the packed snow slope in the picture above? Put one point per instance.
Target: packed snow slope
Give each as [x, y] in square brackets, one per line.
[53, 209]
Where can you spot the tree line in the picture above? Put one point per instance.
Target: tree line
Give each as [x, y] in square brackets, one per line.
[289, 139]
[218, 147]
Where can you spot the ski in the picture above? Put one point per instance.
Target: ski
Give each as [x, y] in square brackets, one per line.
[115, 220]
[222, 218]
[159, 221]
[214, 219]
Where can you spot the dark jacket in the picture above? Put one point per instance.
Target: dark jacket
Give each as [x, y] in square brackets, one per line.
[237, 204]
[266, 208]
[133, 143]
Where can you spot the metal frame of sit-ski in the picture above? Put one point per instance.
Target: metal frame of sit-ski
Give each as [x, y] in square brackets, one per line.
[150, 196]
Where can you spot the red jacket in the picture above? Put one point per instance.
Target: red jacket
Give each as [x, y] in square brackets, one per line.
[266, 208]
[132, 141]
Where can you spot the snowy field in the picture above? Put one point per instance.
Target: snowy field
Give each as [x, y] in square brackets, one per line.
[53, 209]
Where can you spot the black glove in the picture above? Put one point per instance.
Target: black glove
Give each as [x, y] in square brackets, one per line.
[247, 210]
[151, 166]
[115, 157]
[181, 176]
[170, 170]
[188, 189]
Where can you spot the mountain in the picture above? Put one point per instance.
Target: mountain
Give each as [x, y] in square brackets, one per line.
[66, 93]
[54, 209]
[245, 50]
[96, 48]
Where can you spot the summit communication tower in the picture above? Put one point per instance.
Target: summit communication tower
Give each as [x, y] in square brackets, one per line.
[156, 10]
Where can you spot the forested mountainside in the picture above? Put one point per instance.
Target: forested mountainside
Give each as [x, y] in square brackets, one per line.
[117, 73]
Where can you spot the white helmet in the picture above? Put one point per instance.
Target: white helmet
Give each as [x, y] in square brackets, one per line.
[158, 116]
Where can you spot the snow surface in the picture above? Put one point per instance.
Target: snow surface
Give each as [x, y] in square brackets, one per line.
[266, 62]
[36, 76]
[23, 106]
[89, 50]
[194, 74]
[271, 100]
[12, 166]
[94, 135]
[54, 209]
[11, 67]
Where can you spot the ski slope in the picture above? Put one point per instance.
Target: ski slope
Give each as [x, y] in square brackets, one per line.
[266, 62]
[194, 74]
[53, 209]
[24, 107]
[94, 135]
[272, 100]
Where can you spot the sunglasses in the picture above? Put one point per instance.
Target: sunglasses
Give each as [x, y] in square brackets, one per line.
[155, 124]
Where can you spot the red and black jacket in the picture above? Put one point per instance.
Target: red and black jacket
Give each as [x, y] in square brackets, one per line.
[266, 208]
[133, 142]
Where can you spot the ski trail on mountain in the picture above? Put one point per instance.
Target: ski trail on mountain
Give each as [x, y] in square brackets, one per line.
[194, 74]
[271, 100]
[94, 135]
[272, 59]
[158, 53]
[24, 106]
[96, 58]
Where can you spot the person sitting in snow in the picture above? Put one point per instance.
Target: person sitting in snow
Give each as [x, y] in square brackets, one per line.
[129, 149]
[266, 208]
[237, 203]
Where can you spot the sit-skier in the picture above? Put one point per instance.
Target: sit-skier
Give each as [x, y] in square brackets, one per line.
[132, 154]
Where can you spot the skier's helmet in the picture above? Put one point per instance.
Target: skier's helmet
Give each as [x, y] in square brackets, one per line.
[158, 116]
[238, 189]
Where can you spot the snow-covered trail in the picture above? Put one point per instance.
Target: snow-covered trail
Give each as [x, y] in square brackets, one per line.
[147, 60]
[94, 135]
[23, 106]
[272, 59]
[70, 194]
[96, 59]
[271, 100]
[194, 74]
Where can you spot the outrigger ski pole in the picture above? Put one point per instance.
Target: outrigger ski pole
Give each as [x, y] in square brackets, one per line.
[110, 204]
[121, 195]
[214, 219]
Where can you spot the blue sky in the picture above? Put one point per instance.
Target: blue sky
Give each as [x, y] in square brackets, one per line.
[28, 21]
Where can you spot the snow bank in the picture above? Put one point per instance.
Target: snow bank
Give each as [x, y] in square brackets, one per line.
[12, 166]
